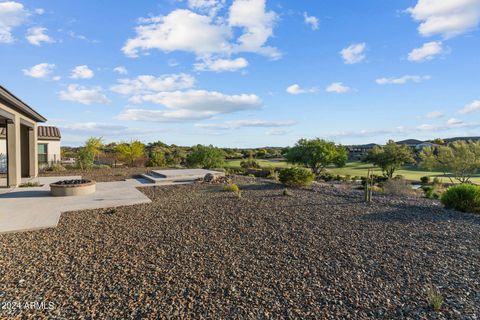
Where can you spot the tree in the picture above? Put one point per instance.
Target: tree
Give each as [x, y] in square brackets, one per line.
[317, 154]
[129, 152]
[91, 149]
[439, 141]
[390, 157]
[460, 159]
[156, 159]
[207, 157]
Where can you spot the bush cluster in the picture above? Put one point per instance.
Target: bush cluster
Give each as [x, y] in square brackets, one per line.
[398, 187]
[296, 177]
[462, 197]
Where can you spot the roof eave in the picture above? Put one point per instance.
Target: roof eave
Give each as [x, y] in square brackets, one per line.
[21, 106]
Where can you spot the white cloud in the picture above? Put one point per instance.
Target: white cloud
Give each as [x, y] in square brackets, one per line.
[208, 6]
[12, 14]
[402, 80]
[92, 127]
[448, 18]
[82, 72]
[237, 124]
[355, 53]
[37, 35]
[181, 30]
[426, 52]
[39, 11]
[149, 84]
[220, 65]
[296, 89]
[40, 70]
[120, 70]
[337, 87]
[454, 122]
[472, 107]
[84, 95]
[206, 35]
[312, 21]
[190, 105]
[434, 114]
[257, 24]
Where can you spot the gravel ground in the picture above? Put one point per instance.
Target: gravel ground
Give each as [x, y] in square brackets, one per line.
[101, 174]
[198, 252]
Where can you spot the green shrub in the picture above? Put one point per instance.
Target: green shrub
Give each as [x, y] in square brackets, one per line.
[326, 177]
[287, 193]
[296, 177]
[250, 164]
[434, 298]
[437, 180]
[231, 187]
[56, 168]
[462, 197]
[425, 180]
[431, 192]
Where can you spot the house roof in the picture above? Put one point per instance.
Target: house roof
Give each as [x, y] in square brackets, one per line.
[409, 142]
[15, 103]
[44, 133]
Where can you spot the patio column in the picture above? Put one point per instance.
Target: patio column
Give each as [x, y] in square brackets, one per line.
[32, 149]
[13, 153]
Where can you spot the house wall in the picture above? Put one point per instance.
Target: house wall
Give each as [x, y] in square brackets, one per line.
[14, 170]
[53, 150]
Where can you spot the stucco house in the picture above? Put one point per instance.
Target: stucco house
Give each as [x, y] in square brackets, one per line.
[48, 138]
[20, 124]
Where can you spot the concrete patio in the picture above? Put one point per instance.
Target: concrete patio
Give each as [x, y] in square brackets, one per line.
[31, 208]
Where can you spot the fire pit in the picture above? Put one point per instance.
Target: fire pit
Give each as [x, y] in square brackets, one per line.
[76, 187]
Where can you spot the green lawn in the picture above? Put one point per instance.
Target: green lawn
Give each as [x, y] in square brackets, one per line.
[266, 164]
[356, 169]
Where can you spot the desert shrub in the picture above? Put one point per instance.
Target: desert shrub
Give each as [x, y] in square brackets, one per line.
[101, 166]
[434, 298]
[356, 178]
[437, 180]
[296, 177]
[425, 180]
[30, 184]
[273, 175]
[156, 159]
[287, 193]
[250, 164]
[251, 175]
[233, 188]
[326, 177]
[462, 197]
[431, 192]
[348, 178]
[398, 187]
[56, 168]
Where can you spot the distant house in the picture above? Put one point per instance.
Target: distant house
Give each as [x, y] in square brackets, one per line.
[410, 142]
[48, 146]
[417, 144]
[357, 152]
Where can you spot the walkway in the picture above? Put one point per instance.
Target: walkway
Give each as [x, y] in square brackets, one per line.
[33, 208]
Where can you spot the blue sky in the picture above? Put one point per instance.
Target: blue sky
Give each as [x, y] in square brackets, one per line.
[246, 73]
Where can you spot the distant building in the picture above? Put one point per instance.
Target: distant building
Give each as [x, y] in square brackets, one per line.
[357, 152]
[48, 146]
[410, 142]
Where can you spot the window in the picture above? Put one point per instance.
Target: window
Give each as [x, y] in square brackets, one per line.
[42, 153]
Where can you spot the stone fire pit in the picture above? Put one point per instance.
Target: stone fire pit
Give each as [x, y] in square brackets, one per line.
[76, 187]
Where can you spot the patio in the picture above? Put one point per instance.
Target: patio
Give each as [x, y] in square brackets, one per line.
[32, 208]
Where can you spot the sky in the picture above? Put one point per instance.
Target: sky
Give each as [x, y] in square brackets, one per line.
[246, 73]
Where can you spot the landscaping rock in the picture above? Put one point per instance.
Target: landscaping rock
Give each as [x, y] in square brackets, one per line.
[196, 252]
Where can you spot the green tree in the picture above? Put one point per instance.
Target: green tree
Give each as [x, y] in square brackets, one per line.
[156, 159]
[390, 157]
[90, 150]
[207, 157]
[317, 154]
[460, 159]
[129, 152]
[439, 141]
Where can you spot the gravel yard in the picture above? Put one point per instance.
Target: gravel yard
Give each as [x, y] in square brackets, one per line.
[102, 174]
[196, 251]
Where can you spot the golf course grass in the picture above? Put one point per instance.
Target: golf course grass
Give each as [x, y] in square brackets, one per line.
[357, 169]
